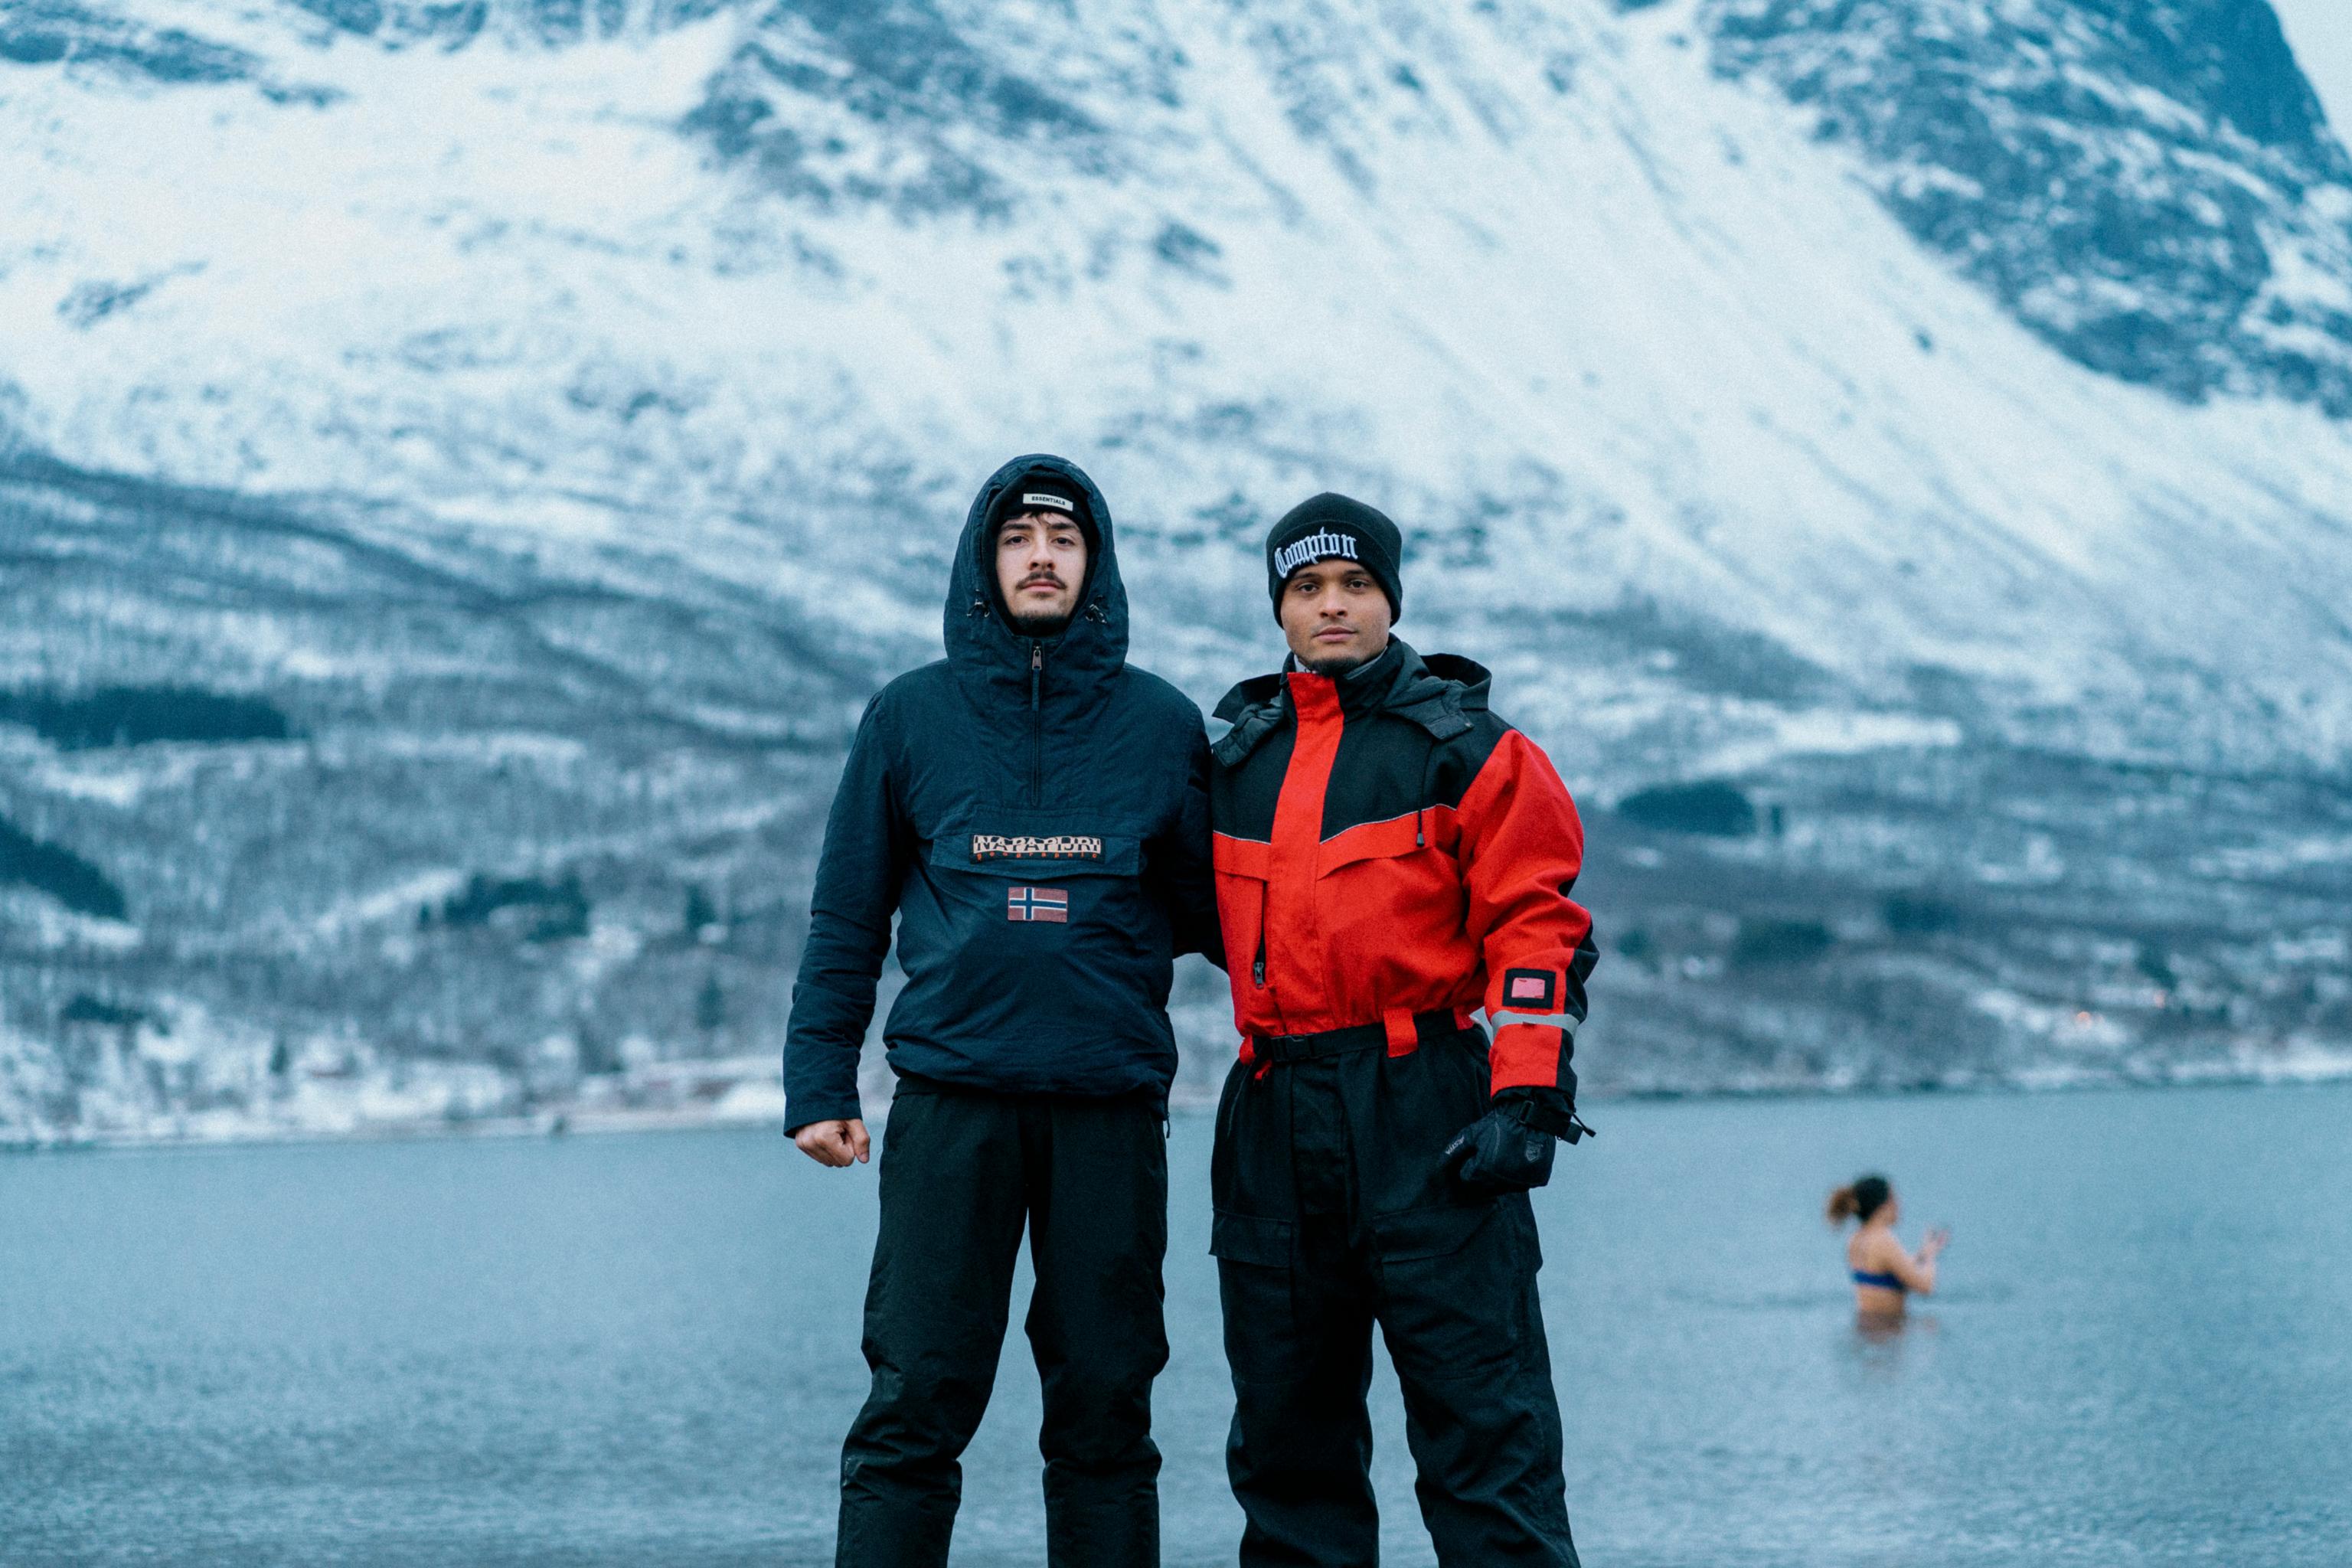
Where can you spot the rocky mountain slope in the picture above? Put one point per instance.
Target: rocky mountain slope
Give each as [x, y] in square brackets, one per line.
[464, 465]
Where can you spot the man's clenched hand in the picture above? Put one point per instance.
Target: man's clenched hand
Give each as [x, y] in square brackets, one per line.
[1510, 1148]
[835, 1142]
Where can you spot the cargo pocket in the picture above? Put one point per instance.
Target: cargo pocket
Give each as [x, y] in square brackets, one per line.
[1257, 1288]
[1457, 1289]
[1440, 1230]
[1434, 1232]
[1245, 1238]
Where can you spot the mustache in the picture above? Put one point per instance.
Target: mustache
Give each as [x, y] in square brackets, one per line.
[1054, 578]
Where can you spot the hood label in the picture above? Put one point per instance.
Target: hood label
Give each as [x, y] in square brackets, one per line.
[1060, 846]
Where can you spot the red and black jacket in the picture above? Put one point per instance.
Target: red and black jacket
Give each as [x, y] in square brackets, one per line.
[1386, 847]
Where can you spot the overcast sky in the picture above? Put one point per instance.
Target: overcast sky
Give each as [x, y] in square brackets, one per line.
[2320, 33]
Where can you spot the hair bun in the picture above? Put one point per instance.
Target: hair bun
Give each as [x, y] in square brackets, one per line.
[1865, 1197]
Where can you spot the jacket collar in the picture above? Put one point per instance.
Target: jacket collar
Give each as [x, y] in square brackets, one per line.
[1438, 693]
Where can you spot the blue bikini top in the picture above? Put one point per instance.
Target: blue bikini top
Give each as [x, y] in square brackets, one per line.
[1882, 1281]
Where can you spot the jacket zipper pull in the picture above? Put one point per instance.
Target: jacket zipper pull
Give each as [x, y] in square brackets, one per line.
[1036, 671]
[1257, 969]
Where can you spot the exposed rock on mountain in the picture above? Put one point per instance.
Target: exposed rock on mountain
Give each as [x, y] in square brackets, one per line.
[2149, 184]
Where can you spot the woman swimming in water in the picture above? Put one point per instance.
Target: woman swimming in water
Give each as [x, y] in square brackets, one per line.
[1883, 1271]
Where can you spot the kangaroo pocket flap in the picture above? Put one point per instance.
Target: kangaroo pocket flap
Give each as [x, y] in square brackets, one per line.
[1245, 1238]
[1020, 842]
[1428, 1232]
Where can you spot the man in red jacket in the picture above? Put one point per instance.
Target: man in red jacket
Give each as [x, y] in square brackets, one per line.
[1390, 857]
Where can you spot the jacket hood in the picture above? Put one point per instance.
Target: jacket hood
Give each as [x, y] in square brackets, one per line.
[1438, 692]
[989, 656]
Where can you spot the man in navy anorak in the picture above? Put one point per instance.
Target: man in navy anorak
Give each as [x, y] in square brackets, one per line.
[1033, 810]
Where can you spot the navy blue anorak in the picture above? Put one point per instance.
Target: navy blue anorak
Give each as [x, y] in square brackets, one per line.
[1036, 812]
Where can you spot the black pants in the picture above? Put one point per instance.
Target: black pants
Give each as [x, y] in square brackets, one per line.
[961, 1173]
[1331, 1216]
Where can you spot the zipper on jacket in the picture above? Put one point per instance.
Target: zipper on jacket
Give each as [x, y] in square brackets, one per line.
[1257, 969]
[1036, 725]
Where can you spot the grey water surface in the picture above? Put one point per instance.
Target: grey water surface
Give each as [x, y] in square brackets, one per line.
[644, 1349]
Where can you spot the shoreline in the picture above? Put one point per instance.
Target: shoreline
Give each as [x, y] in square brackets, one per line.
[557, 1124]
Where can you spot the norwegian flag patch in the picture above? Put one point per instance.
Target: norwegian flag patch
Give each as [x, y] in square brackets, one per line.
[1530, 988]
[1038, 904]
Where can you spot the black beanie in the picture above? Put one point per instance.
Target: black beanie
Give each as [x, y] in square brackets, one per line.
[1047, 493]
[1326, 526]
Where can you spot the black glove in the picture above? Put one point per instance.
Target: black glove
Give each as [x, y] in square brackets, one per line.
[1510, 1148]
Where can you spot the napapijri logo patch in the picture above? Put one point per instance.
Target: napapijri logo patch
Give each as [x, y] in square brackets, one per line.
[1020, 847]
[1038, 904]
[1530, 988]
[1320, 545]
[1032, 498]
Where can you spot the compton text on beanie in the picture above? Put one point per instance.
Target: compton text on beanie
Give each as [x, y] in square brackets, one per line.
[1329, 525]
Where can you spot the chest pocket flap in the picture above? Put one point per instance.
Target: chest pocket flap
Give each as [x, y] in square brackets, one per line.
[1397, 836]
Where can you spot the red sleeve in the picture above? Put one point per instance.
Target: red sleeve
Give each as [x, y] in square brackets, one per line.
[1521, 849]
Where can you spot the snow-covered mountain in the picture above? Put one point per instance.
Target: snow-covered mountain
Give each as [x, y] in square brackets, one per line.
[2150, 187]
[1925, 416]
